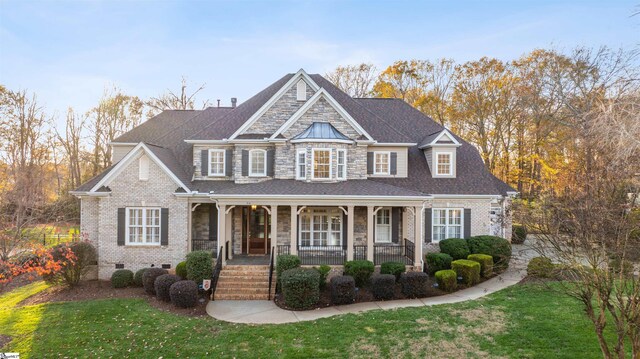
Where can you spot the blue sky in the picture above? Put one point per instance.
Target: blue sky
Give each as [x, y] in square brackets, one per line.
[68, 52]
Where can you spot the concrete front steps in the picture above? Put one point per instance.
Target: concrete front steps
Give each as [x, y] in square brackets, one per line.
[244, 282]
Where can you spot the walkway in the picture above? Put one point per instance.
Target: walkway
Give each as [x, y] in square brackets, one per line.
[267, 312]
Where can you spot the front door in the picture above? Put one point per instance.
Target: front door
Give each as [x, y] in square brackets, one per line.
[257, 230]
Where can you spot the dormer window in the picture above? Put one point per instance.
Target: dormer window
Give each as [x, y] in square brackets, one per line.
[216, 162]
[257, 163]
[321, 163]
[381, 164]
[444, 164]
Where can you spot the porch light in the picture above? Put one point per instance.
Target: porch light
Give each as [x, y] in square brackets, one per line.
[253, 207]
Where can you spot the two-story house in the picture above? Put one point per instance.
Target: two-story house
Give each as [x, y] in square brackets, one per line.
[300, 168]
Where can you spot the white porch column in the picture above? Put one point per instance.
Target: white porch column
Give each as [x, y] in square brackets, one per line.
[228, 234]
[370, 222]
[293, 244]
[222, 232]
[418, 236]
[274, 226]
[350, 234]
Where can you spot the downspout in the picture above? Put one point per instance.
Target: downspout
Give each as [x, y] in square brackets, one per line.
[422, 233]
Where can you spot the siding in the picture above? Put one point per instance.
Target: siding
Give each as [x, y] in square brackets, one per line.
[402, 169]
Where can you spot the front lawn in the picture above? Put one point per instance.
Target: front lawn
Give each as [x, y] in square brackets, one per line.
[520, 321]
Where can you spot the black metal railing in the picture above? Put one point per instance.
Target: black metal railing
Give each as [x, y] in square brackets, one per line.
[409, 251]
[283, 249]
[360, 253]
[389, 253]
[270, 271]
[216, 272]
[228, 248]
[330, 255]
[204, 244]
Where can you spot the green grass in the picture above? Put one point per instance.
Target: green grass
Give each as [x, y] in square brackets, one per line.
[521, 321]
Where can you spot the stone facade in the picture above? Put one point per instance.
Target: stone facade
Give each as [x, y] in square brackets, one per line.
[321, 111]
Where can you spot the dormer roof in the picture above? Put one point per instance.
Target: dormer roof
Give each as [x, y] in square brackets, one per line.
[440, 138]
[320, 131]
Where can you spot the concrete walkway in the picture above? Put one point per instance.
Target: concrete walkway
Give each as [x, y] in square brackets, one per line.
[267, 312]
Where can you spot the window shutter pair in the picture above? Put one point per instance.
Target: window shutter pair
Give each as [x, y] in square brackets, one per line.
[428, 224]
[393, 163]
[164, 226]
[228, 162]
[270, 162]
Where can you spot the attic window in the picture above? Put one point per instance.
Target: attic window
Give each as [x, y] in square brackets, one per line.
[301, 89]
[143, 168]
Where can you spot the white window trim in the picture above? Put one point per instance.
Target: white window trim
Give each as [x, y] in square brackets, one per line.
[436, 154]
[264, 169]
[224, 163]
[313, 160]
[390, 225]
[342, 175]
[144, 226]
[329, 212]
[446, 226]
[375, 155]
[301, 176]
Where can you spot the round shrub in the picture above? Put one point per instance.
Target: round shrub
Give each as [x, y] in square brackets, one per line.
[437, 262]
[518, 234]
[300, 287]
[394, 268]
[184, 293]
[149, 278]
[343, 290]
[457, 248]
[137, 278]
[199, 266]
[497, 247]
[486, 263]
[415, 284]
[181, 270]
[468, 270]
[383, 286]
[121, 278]
[447, 280]
[360, 270]
[286, 262]
[163, 284]
[540, 267]
[324, 272]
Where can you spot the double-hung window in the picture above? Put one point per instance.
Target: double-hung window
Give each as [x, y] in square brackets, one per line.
[143, 226]
[257, 163]
[216, 162]
[447, 223]
[321, 163]
[383, 226]
[443, 164]
[342, 164]
[301, 164]
[381, 163]
[320, 227]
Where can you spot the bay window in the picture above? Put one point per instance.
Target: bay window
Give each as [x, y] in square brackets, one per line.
[342, 164]
[322, 163]
[301, 164]
[447, 223]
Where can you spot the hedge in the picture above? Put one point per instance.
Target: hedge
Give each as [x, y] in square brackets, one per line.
[518, 234]
[457, 248]
[447, 280]
[286, 262]
[181, 269]
[121, 278]
[343, 290]
[149, 279]
[437, 262]
[486, 263]
[184, 293]
[137, 278]
[300, 287]
[163, 284]
[394, 268]
[360, 270]
[540, 267]
[415, 284]
[199, 266]
[383, 286]
[497, 247]
[468, 270]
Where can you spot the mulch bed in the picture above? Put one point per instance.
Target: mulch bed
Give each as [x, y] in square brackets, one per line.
[97, 289]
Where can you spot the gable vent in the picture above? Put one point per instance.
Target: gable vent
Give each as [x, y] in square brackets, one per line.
[301, 89]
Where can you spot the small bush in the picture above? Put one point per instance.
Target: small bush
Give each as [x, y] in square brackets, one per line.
[199, 266]
[447, 280]
[286, 262]
[149, 278]
[361, 271]
[137, 278]
[163, 284]
[518, 234]
[394, 268]
[468, 270]
[181, 270]
[84, 255]
[184, 293]
[383, 286]
[486, 263]
[437, 262]
[415, 284]
[324, 272]
[497, 247]
[300, 287]
[121, 278]
[343, 290]
[540, 267]
[457, 248]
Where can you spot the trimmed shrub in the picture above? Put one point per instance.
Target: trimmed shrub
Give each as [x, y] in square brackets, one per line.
[361, 271]
[394, 268]
[199, 266]
[84, 255]
[486, 263]
[457, 248]
[300, 287]
[121, 278]
[181, 270]
[437, 262]
[383, 286]
[468, 270]
[540, 267]
[184, 293]
[137, 278]
[447, 280]
[149, 278]
[518, 234]
[324, 272]
[497, 247]
[163, 284]
[286, 262]
[343, 290]
[415, 284]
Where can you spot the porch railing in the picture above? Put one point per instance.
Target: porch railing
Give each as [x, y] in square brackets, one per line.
[216, 271]
[360, 252]
[330, 255]
[271, 267]
[283, 249]
[390, 253]
[409, 250]
[204, 244]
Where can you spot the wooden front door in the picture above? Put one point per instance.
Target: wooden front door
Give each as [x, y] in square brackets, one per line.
[256, 230]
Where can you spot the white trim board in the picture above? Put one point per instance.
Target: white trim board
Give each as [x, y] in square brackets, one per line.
[444, 132]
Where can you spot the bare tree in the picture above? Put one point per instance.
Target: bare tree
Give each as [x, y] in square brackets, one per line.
[70, 141]
[172, 101]
[355, 80]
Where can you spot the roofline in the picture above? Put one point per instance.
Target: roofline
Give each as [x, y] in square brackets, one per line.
[89, 194]
[321, 140]
[444, 131]
[465, 196]
[112, 143]
[301, 196]
[391, 144]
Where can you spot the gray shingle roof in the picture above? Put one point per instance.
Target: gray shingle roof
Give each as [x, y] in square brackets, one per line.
[157, 126]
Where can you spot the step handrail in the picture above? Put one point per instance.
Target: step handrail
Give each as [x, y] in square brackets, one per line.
[216, 272]
[270, 271]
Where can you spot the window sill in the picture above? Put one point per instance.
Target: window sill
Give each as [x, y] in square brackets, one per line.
[140, 245]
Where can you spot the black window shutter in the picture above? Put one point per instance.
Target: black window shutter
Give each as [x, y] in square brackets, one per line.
[270, 162]
[228, 162]
[345, 233]
[427, 224]
[395, 224]
[467, 223]
[121, 226]
[369, 163]
[393, 163]
[164, 226]
[245, 162]
[213, 222]
[204, 163]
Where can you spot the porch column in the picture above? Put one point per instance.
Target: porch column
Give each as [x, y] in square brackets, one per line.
[405, 223]
[274, 226]
[370, 221]
[293, 244]
[228, 234]
[417, 261]
[350, 221]
[222, 232]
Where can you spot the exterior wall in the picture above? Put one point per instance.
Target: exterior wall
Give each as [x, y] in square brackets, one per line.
[119, 151]
[90, 220]
[321, 111]
[402, 160]
[127, 190]
[197, 163]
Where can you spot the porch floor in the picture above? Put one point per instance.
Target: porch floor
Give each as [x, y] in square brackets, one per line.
[246, 260]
